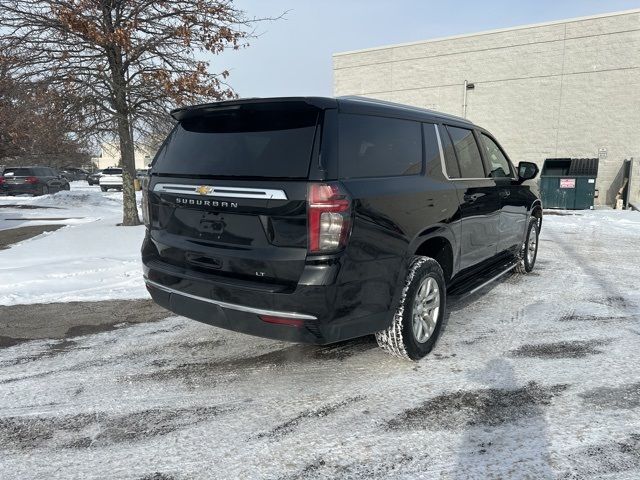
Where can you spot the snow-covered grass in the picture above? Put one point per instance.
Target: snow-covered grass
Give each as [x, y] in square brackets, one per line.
[89, 259]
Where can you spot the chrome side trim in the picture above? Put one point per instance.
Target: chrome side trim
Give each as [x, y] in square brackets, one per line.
[442, 163]
[232, 306]
[214, 191]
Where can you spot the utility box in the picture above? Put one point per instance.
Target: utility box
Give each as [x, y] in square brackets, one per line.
[569, 183]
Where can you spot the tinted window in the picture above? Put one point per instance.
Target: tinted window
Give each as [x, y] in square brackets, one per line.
[18, 172]
[112, 171]
[451, 164]
[431, 151]
[466, 148]
[498, 163]
[378, 146]
[256, 140]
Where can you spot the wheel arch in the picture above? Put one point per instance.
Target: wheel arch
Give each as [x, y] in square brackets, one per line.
[536, 211]
[438, 243]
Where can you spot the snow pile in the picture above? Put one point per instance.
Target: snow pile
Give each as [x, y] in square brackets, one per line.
[89, 259]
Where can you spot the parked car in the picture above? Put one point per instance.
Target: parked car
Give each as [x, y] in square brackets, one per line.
[111, 178]
[94, 178]
[73, 174]
[318, 220]
[32, 180]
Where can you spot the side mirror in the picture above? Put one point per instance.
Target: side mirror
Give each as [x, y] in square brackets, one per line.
[527, 171]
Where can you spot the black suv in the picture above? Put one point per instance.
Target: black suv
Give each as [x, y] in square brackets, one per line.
[318, 219]
[33, 180]
[73, 173]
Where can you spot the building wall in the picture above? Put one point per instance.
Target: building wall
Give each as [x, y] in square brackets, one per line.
[110, 156]
[562, 89]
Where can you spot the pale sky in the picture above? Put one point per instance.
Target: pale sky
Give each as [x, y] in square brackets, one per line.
[293, 56]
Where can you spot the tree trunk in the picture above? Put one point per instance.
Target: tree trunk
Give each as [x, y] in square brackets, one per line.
[129, 206]
[125, 133]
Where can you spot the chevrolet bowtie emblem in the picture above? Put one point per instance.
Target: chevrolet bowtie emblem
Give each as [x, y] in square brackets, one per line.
[204, 190]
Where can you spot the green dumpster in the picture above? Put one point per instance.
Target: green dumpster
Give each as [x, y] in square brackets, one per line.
[568, 183]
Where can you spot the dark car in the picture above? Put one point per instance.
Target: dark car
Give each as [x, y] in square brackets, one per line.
[318, 220]
[94, 178]
[32, 180]
[73, 174]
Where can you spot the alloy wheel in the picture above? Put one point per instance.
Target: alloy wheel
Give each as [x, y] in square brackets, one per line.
[426, 309]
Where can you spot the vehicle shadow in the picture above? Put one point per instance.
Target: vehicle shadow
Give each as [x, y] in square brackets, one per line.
[505, 432]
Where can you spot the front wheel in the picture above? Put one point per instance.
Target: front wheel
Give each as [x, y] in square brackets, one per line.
[45, 190]
[66, 187]
[418, 319]
[529, 250]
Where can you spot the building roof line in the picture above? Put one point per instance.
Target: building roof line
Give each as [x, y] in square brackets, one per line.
[491, 32]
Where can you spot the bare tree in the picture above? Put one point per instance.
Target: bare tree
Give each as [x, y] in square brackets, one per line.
[125, 61]
[35, 125]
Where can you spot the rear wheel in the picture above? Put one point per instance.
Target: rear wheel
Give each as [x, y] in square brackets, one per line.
[529, 251]
[418, 320]
[104, 189]
[45, 190]
[66, 187]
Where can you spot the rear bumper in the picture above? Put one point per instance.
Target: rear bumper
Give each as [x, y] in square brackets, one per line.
[240, 318]
[20, 189]
[318, 316]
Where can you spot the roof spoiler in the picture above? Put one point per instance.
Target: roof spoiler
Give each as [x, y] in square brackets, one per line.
[203, 108]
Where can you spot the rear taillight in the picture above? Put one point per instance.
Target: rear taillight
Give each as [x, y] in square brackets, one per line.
[329, 217]
[31, 180]
[145, 201]
[2, 180]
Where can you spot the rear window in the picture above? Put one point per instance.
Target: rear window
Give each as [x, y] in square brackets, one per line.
[112, 171]
[372, 146]
[253, 140]
[18, 172]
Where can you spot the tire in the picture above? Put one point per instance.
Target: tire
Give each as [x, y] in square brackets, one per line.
[45, 190]
[404, 338]
[529, 251]
[104, 189]
[66, 187]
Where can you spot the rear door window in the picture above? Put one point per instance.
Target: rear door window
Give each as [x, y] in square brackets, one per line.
[372, 146]
[433, 166]
[467, 152]
[450, 161]
[255, 140]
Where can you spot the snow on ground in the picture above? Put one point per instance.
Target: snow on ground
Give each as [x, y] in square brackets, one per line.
[89, 259]
[534, 377]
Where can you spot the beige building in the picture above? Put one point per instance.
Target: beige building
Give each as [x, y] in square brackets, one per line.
[569, 88]
[110, 156]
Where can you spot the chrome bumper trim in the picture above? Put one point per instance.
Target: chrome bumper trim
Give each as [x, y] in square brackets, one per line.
[232, 306]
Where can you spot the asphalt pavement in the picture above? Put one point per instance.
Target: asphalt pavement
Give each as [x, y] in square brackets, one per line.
[536, 376]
